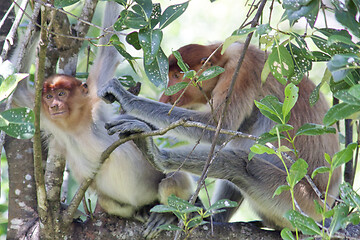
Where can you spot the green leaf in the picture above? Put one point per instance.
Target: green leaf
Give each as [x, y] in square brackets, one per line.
[347, 15]
[180, 62]
[302, 64]
[222, 203]
[131, 20]
[175, 88]
[261, 149]
[345, 96]
[327, 158]
[286, 234]
[181, 205]
[120, 47]
[267, 137]
[270, 107]
[169, 227]
[127, 81]
[305, 224]
[312, 129]
[64, 3]
[340, 213]
[343, 156]
[281, 189]
[210, 73]
[294, 10]
[314, 97]
[320, 170]
[150, 42]
[355, 91]
[349, 196]
[195, 221]
[235, 37]
[318, 208]
[340, 63]
[163, 209]
[340, 39]
[133, 39]
[155, 15]
[297, 171]
[10, 83]
[281, 64]
[145, 6]
[157, 71]
[335, 48]
[189, 74]
[265, 72]
[281, 128]
[353, 218]
[338, 112]
[171, 13]
[21, 123]
[291, 96]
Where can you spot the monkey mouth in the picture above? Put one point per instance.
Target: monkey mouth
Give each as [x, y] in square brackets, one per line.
[58, 114]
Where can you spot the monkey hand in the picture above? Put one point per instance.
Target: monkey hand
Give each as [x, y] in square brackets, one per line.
[126, 125]
[114, 91]
[156, 220]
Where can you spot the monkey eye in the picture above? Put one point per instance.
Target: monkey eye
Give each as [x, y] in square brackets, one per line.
[48, 96]
[62, 93]
[176, 75]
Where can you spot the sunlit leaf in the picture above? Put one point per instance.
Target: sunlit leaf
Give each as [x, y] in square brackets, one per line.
[281, 189]
[261, 149]
[297, 171]
[10, 83]
[320, 170]
[291, 96]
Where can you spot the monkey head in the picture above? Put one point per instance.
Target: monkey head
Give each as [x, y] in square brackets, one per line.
[194, 55]
[62, 96]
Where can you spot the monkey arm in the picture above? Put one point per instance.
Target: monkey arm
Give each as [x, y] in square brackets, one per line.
[156, 113]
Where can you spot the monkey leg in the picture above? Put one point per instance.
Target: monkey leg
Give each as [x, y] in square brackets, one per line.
[113, 207]
[226, 190]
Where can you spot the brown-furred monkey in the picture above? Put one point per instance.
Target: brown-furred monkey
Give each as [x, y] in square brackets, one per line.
[75, 117]
[255, 180]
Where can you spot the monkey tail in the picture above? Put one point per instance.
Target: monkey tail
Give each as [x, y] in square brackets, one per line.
[108, 58]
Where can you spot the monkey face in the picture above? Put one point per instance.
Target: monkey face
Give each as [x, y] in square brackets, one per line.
[57, 103]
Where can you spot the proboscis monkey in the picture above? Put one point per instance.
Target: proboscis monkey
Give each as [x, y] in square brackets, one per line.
[255, 180]
[75, 117]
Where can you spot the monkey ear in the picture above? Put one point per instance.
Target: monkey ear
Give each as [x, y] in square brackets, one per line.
[208, 64]
[84, 88]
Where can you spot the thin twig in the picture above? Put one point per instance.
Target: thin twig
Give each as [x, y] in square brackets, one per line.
[6, 15]
[105, 30]
[9, 41]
